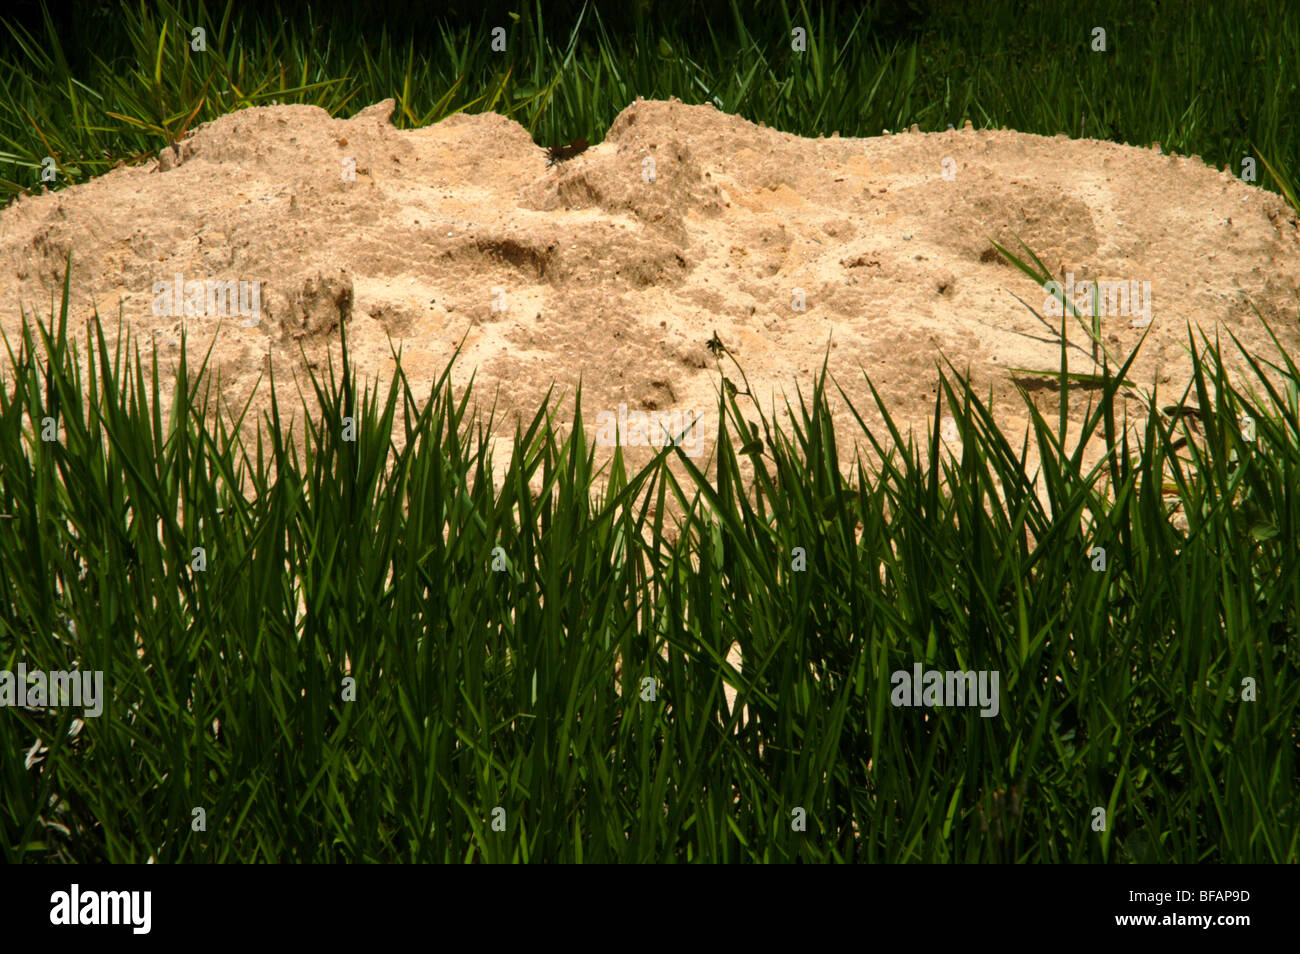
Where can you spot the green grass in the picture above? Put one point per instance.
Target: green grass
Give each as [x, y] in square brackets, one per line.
[478, 688]
[521, 688]
[1204, 79]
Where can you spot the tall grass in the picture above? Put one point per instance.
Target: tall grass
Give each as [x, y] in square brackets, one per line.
[515, 678]
[386, 643]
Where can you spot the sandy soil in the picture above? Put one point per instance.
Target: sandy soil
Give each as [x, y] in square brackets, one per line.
[616, 267]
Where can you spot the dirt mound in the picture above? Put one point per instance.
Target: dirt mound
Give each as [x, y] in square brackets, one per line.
[617, 266]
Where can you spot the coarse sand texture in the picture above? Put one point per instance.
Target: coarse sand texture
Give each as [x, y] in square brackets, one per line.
[618, 265]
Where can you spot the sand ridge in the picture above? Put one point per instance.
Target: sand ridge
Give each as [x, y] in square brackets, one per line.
[616, 267]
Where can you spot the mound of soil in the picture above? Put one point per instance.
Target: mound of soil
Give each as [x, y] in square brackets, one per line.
[618, 266]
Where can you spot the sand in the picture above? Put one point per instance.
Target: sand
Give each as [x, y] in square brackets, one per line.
[615, 268]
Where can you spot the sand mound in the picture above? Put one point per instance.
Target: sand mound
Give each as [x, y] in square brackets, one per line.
[618, 266]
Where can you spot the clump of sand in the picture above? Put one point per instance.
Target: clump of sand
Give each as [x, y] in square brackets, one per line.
[617, 267]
